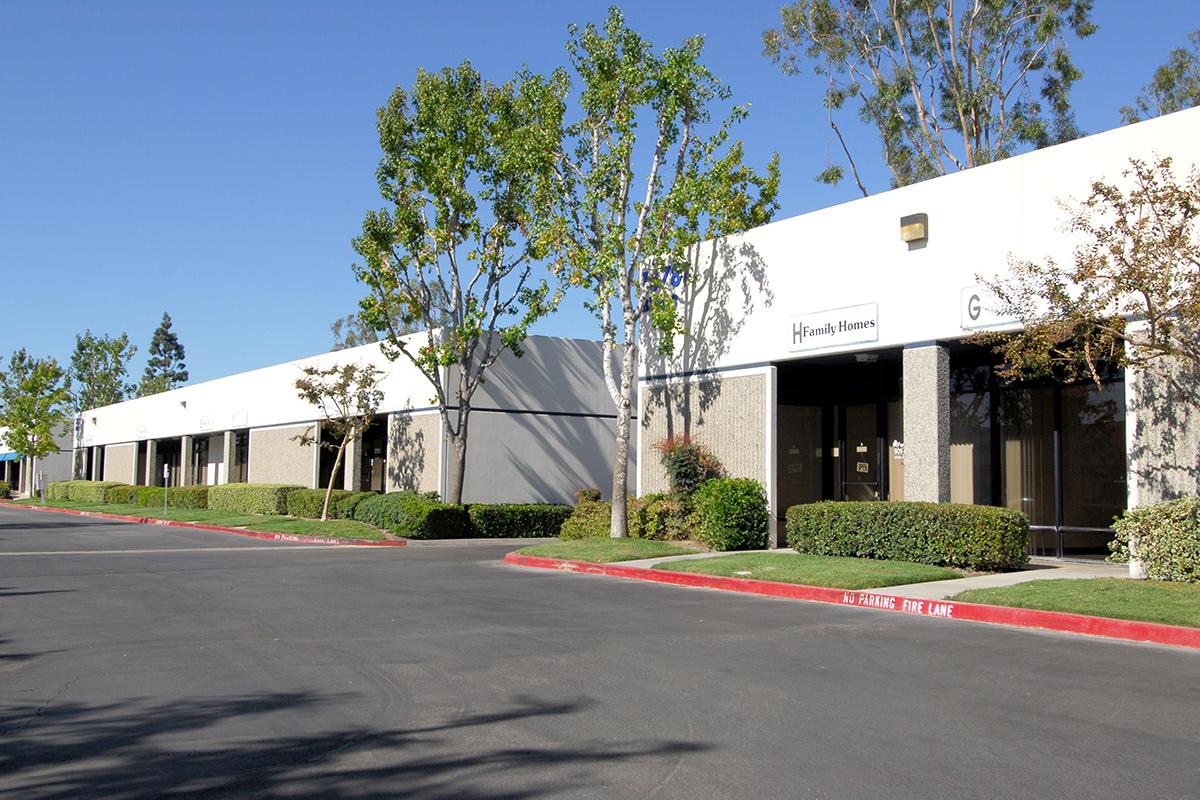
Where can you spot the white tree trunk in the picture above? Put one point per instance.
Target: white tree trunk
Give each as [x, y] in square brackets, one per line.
[620, 488]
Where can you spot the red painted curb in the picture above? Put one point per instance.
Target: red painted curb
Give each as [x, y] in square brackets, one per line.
[1129, 630]
[275, 537]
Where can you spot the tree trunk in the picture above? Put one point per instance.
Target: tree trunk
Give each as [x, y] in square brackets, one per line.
[458, 458]
[329, 490]
[620, 484]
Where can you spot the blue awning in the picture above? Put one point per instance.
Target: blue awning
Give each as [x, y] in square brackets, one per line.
[11, 456]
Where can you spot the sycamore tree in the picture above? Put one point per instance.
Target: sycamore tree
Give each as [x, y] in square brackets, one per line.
[456, 254]
[1173, 87]
[946, 85]
[347, 397]
[645, 174]
[100, 370]
[1130, 296]
[35, 404]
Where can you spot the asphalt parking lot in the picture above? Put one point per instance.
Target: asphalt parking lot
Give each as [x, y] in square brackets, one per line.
[146, 661]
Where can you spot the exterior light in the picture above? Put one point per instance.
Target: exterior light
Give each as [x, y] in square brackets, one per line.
[183, 403]
[914, 228]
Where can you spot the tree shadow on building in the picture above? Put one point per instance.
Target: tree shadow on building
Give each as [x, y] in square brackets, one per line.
[179, 749]
[406, 453]
[1165, 412]
[724, 284]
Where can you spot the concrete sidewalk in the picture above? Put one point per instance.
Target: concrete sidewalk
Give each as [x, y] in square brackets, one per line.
[1036, 570]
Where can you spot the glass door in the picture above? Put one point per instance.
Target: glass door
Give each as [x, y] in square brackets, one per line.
[860, 446]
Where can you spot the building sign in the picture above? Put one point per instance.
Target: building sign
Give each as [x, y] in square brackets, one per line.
[978, 308]
[835, 327]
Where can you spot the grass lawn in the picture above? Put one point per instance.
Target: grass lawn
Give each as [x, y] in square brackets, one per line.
[605, 550]
[831, 571]
[1118, 598]
[341, 528]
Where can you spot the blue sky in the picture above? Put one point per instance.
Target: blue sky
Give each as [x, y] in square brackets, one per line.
[215, 159]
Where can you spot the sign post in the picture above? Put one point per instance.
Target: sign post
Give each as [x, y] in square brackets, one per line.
[166, 486]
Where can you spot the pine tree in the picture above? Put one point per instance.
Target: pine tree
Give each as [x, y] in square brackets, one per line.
[165, 368]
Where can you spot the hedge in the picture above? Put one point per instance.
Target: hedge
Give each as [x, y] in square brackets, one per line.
[1167, 539]
[414, 516]
[517, 520]
[5, 489]
[345, 508]
[593, 519]
[731, 514]
[57, 490]
[251, 498]
[943, 534]
[664, 517]
[89, 491]
[307, 503]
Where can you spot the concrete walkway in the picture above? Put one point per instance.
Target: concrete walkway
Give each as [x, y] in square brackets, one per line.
[1036, 570]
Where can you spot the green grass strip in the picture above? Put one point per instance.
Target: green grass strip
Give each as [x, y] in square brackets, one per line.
[832, 571]
[1116, 598]
[605, 550]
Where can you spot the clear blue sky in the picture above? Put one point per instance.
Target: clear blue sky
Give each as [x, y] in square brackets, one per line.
[214, 159]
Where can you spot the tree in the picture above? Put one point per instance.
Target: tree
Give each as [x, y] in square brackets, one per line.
[1174, 86]
[466, 172]
[35, 401]
[347, 397]
[350, 331]
[1130, 297]
[165, 368]
[619, 239]
[945, 87]
[99, 370]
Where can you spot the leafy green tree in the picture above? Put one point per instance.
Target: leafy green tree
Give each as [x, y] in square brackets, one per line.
[1174, 86]
[35, 404]
[100, 369]
[350, 331]
[165, 368]
[466, 172]
[620, 231]
[946, 86]
[347, 397]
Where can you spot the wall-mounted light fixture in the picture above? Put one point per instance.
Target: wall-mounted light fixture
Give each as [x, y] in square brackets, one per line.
[183, 403]
[914, 228]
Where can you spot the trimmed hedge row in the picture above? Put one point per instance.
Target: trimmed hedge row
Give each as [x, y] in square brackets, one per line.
[413, 516]
[526, 520]
[943, 534]
[1167, 539]
[307, 503]
[251, 498]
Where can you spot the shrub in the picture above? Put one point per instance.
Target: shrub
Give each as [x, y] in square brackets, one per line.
[150, 496]
[188, 497]
[5, 490]
[251, 498]
[587, 493]
[1168, 539]
[344, 508]
[121, 494]
[57, 490]
[688, 464]
[414, 516]
[307, 502]
[513, 520]
[590, 519]
[89, 491]
[663, 517]
[943, 534]
[732, 514]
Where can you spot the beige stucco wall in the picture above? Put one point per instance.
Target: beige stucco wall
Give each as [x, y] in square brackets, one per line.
[725, 414]
[120, 462]
[276, 458]
[1163, 430]
[414, 452]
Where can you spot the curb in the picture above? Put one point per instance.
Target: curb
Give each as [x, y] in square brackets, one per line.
[1128, 630]
[274, 537]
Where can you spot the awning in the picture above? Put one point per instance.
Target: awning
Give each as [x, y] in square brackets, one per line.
[11, 456]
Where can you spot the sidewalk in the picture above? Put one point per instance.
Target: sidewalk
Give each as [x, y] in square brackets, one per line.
[1037, 570]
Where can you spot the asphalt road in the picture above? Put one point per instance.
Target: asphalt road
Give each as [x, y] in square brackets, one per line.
[143, 661]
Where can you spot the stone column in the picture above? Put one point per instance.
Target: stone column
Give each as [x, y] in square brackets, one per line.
[926, 378]
[352, 466]
[186, 473]
[151, 475]
[227, 450]
[97, 471]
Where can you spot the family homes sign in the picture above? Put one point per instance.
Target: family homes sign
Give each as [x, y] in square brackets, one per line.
[837, 326]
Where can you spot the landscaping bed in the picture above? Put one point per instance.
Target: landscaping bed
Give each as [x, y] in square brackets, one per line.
[834, 572]
[1116, 598]
[605, 550]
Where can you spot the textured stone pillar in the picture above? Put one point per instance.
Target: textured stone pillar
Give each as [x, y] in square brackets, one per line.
[926, 381]
[186, 476]
[152, 476]
[227, 450]
[97, 470]
[352, 466]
